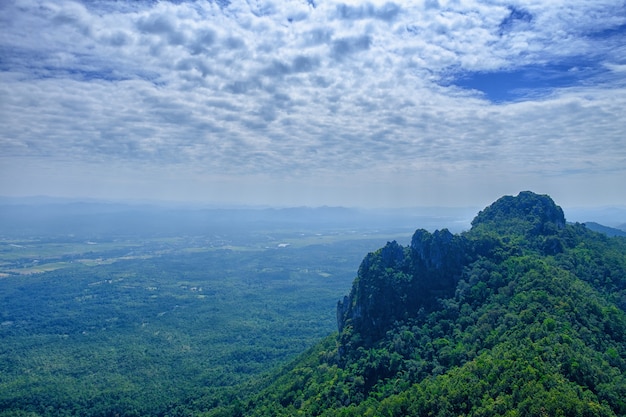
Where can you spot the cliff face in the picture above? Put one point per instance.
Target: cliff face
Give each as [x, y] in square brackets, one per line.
[398, 282]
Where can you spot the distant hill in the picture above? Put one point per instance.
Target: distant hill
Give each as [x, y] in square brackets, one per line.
[43, 217]
[612, 216]
[522, 315]
[609, 231]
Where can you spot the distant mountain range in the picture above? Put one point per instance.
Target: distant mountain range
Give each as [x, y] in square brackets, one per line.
[47, 216]
[609, 231]
[54, 217]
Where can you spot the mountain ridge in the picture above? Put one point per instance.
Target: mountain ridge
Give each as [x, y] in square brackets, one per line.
[609, 231]
[522, 315]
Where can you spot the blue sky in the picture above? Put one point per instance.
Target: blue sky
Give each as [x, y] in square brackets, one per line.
[313, 102]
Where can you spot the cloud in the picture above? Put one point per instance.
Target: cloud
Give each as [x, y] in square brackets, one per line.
[316, 36]
[324, 89]
[346, 46]
[516, 18]
[387, 12]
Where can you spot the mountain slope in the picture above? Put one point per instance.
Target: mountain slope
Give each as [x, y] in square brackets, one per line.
[609, 231]
[523, 315]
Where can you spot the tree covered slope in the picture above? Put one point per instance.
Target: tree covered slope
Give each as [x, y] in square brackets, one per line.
[523, 315]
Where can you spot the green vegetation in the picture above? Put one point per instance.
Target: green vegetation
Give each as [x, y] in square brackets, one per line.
[163, 326]
[523, 315]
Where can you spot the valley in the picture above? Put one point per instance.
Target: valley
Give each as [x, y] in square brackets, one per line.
[151, 325]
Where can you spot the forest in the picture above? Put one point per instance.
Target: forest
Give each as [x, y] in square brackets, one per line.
[108, 312]
[524, 314]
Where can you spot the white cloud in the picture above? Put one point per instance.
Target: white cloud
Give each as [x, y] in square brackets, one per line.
[314, 91]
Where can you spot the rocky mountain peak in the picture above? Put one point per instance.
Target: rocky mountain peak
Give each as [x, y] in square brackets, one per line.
[526, 213]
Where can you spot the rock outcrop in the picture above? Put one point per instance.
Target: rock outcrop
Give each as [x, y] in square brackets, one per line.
[396, 282]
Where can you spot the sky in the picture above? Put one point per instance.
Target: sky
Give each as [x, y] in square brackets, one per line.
[314, 102]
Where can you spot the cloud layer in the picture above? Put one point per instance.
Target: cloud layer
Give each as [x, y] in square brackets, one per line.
[254, 97]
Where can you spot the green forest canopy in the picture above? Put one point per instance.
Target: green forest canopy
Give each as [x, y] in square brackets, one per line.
[523, 315]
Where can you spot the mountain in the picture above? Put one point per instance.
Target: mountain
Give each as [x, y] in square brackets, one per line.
[522, 315]
[60, 218]
[609, 231]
